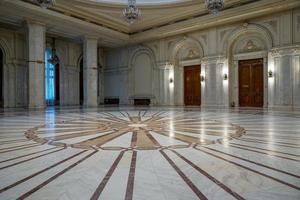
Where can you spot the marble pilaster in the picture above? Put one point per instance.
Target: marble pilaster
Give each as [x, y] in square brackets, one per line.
[214, 88]
[285, 87]
[90, 71]
[36, 64]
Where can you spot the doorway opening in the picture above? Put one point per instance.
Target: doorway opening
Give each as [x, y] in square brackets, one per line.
[51, 81]
[251, 83]
[192, 85]
[81, 95]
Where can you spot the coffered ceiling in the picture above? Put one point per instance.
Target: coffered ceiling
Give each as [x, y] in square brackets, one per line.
[160, 18]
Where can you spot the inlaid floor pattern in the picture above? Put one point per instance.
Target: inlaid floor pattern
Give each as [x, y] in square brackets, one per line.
[149, 153]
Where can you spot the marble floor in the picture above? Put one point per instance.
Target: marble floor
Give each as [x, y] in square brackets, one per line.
[157, 153]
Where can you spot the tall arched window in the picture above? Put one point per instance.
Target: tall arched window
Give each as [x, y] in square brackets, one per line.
[49, 79]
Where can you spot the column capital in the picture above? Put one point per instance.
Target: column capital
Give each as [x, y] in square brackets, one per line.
[164, 65]
[34, 22]
[90, 37]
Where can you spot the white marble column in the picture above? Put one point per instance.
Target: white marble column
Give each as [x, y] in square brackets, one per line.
[214, 87]
[36, 64]
[90, 71]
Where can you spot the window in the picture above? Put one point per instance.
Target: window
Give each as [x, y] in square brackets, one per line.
[49, 79]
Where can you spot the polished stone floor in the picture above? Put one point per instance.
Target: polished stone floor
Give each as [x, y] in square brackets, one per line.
[159, 153]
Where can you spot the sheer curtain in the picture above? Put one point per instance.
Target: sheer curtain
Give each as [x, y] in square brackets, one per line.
[49, 79]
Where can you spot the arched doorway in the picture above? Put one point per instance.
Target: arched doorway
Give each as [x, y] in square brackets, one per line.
[1, 78]
[187, 53]
[247, 50]
[81, 95]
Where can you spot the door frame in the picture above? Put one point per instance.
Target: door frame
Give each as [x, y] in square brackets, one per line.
[251, 79]
[197, 65]
[234, 75]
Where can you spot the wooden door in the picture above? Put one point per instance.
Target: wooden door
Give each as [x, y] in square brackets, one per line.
[251, 83]
[192, 85]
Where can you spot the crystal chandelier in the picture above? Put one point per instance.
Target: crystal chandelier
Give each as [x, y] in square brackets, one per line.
[214, 6]
[131, 13]
[54, 60]
[45, 3]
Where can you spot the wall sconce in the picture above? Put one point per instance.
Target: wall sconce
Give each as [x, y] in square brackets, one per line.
[225, 77]
[171, 80]
[202, 78]
[270, 74]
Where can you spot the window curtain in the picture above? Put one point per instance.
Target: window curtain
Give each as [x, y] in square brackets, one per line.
[49, 79]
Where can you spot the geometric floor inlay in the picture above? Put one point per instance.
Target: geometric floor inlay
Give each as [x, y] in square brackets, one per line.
[98, 132]
[151, 153]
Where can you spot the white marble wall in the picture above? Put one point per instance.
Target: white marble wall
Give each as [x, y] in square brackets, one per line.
[69, 54]
[15, 69]
[255, 39]
[275, 39]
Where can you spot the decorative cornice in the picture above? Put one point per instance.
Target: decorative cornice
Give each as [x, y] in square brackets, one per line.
[164, 65]
[286, 50]
[213, 59]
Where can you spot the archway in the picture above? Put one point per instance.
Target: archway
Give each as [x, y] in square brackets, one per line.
[247, 47]
[187, 52]
[142, 76]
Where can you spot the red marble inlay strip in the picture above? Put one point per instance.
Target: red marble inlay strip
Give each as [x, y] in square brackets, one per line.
[274, 151]
[224, 187]
[27, 194]
[155, 142]
[269, 154]
[144, 113]
[134, 139]
[27, 155]
[247, 168]
[39, 172]
[13, 147]
[13, 141]
[21, 148]
[282, 144]
[29, 159]
[130, 182]
[256, 163]
[184, 177]
[104, 181]
[123, 114]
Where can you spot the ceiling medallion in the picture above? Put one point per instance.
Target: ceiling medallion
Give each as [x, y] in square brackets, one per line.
[131, 13]
[45, 3]
[214, 6]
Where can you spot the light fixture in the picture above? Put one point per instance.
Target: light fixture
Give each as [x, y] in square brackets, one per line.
[270, 74]
[202, 78]
[171, 80]
[45, 3]
[54, 60]
[225, 77]
[214, 6]
[131, 13]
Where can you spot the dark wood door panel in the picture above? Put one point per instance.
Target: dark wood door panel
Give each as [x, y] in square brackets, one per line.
[251, 83]
[192, 87]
